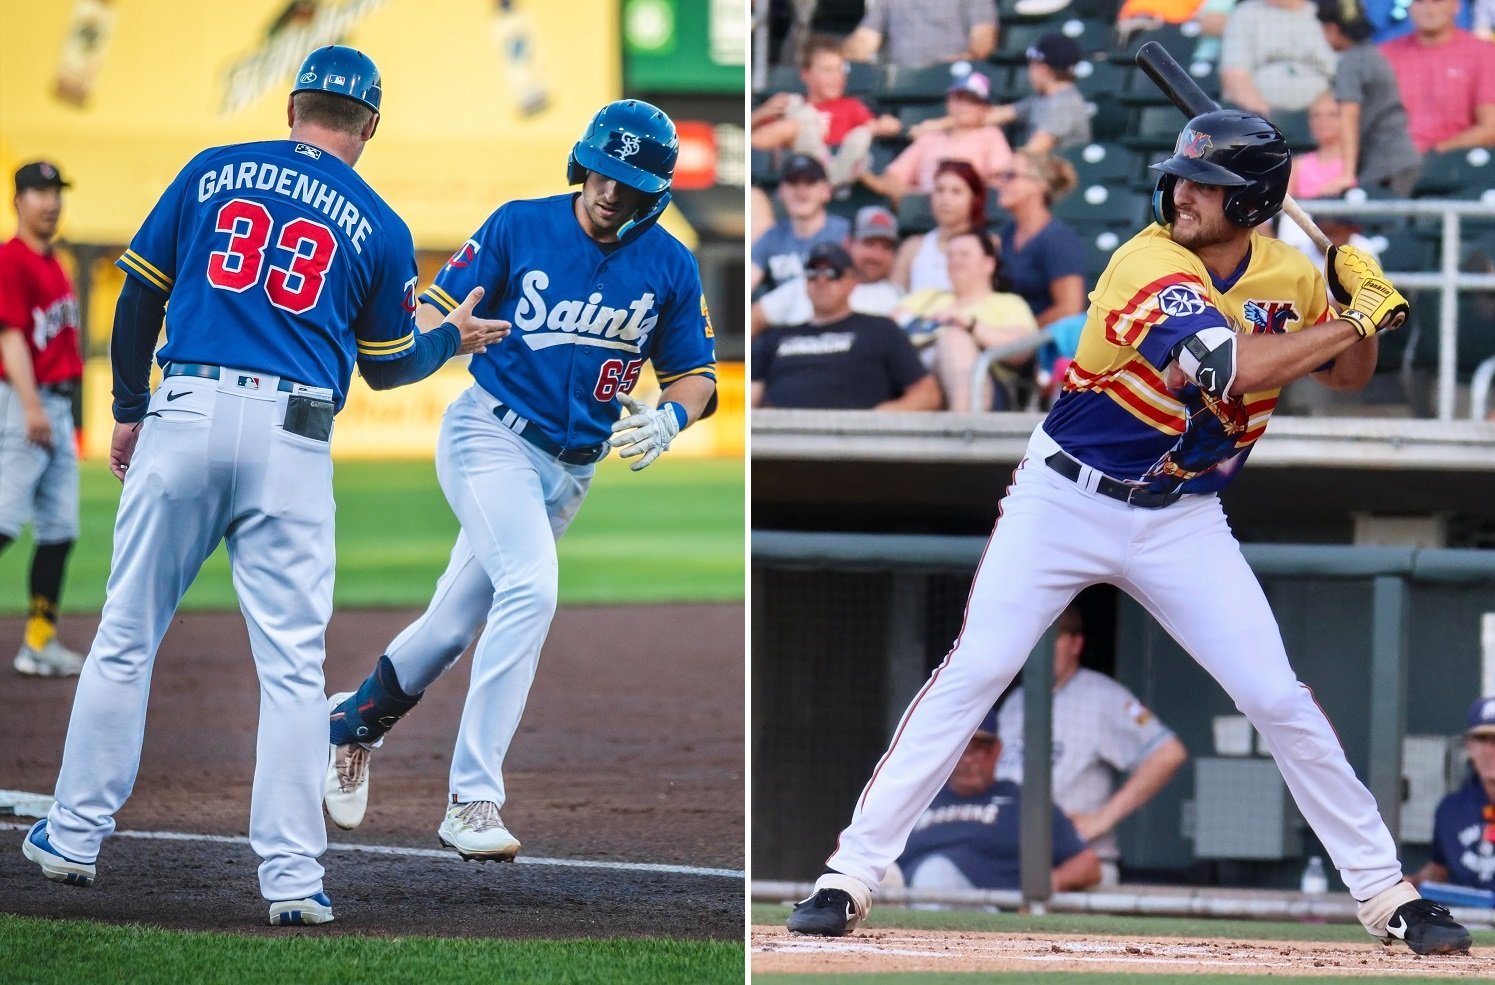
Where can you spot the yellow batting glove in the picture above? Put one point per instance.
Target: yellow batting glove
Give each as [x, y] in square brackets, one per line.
[1346, 268]
[1376, 307]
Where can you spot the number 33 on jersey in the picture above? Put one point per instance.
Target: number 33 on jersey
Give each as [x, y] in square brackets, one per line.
[585, 316]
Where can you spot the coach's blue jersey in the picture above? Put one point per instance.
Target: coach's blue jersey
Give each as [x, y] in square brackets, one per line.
[585, 318]
[276, 256]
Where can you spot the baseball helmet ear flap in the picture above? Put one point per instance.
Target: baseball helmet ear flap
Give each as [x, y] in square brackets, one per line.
[342, 70]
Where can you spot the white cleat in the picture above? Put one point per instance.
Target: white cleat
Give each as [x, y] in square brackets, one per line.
[477, 833]
[52, 660]
[345, 788]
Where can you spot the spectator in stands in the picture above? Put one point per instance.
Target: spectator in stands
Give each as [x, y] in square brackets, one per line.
[958, 203]
[825, 123]
[1212, 16]
[969, 836]
[1391, 19]
[1100, 731]
[1055, 117]
[779, 254]
[1447, 78]
[1044, 258]
[1370, 109]
[874, 242]
[1274, 56]
[916, 33]
[1322, 172]
[1464, 824]
[1149, 15]
[840, 359]
[955, 326]
[968, 138]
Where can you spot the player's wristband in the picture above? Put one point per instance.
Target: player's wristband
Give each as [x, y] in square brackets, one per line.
[679, 411]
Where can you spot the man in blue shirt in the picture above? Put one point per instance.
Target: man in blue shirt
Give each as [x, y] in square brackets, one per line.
[1464, 826]
[969, 836]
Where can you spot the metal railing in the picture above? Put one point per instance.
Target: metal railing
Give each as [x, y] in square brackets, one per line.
[1449, 280]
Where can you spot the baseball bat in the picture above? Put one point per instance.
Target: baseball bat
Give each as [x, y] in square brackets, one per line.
[1184, 92]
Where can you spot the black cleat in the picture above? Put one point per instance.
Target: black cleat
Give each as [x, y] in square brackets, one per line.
[1428, 928]
[829, 913]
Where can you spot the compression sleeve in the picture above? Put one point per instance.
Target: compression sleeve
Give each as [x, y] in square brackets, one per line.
[430, 351]
[137, 325]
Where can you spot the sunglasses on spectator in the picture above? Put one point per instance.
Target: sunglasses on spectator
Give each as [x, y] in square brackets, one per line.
[823, 273]
[1014, 175]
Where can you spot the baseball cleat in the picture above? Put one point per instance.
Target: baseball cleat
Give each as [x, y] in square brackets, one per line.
[52, 660]
[345, 788]
[827, 912]
[477, 833]
[301, 912]
[1428, 928]
[55, 865]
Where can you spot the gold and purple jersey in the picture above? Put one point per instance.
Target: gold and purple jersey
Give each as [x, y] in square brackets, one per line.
[1116, 413]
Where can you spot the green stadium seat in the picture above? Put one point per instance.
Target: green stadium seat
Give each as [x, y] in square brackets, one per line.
[1100, 77]
[1014, 40]
[785, 78]
[1109, 204]
[914, 215]
[1156, 128]
[1104, 163]
[912, 114]
[863, 78]
[905, 85]
[765, 173]
[1179, 40]
[1294, 126]
[1456, 174]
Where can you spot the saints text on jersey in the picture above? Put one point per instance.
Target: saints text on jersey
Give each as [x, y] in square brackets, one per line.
[571, 321]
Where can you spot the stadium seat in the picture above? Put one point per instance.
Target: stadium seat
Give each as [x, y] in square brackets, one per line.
[912, 114]
[863, 78]
[1156, 128]
[1099, 163]
[1100, 77]
[785, 78]
[1179, 40]
[1093, 36]
[764, 171]
[1136, 88]
[1015, 40]
[1109, 204]
[914, 215]
[1456, 174]
[904, 85]
[1294, 126]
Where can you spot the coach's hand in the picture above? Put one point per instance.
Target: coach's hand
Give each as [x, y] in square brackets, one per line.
[122, 448]
[477, 333]
[645, 433]
[1346, 268]
[38, 426]
[1376, 307]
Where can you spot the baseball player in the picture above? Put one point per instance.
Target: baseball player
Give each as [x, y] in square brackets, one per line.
[40, 368]
[1195, 326]
[282, 267]
[593, 288]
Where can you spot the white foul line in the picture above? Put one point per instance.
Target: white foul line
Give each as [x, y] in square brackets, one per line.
[447, 855]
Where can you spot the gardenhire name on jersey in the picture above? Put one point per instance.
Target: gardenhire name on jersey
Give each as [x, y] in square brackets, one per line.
[289, 183]
[613, 328]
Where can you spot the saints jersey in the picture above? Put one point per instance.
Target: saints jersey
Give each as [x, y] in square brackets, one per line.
[1116, 414]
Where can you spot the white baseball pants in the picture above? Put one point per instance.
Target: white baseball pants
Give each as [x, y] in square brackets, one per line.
[213, 464]
[1054, 537]
[513, 502]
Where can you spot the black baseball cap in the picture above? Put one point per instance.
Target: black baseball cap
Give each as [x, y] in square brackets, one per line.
[802, 167]
[1056, 51]
[39, 174]
[832, 255]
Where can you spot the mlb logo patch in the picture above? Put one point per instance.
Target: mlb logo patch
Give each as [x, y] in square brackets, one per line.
[315, 153]
[248, 383]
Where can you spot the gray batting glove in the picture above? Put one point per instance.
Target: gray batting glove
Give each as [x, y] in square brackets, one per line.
[644, 434]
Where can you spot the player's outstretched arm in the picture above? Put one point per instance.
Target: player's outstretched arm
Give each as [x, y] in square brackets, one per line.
[647, 431]
[460, 332]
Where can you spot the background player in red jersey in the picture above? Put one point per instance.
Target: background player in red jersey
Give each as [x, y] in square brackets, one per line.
[40, 368]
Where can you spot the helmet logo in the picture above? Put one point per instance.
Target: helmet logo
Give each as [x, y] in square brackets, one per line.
[337, 80]
[1192, 143]
[629, 147]
[308, 77]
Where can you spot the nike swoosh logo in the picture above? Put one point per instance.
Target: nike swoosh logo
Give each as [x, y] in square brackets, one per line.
[1398, 929]
[179, 393]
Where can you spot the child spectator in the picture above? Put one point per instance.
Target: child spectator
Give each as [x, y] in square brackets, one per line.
[969, 138]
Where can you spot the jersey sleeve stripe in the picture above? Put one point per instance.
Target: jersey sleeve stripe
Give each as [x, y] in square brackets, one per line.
[132, 262]
[441, 299]
[1121, 324]
[388, 348]
[708, 370]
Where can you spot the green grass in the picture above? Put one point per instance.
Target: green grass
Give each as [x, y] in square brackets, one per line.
[66, 952]
[888, 918]
[672, 533]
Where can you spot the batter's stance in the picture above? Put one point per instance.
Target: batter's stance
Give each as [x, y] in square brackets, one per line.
[281, 267]
[1195, 326]
[40, 367]
[593, 288]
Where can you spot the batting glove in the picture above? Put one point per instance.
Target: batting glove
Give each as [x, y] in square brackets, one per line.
[1346, 268]
[1376, 307]
[646, 432]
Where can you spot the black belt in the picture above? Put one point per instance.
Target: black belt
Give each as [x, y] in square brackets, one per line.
[1131, 495]
[526, 429]
[62, 388]
[211, 373]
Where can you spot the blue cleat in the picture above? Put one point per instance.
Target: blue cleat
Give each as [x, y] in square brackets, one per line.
[301, 912]
[55, 865]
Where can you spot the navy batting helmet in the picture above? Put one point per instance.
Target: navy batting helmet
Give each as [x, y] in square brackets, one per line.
[1241, 151]
[342, 70]
[629, 141]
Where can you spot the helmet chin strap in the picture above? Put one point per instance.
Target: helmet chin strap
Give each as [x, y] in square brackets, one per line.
[660, 204]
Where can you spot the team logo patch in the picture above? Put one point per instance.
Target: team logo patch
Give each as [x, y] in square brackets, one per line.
[315, 153]
[408, 300]
[248, 383]
[706, 316]
[628, 145]
[1182, 300]
[1269, 316]
[1192, 143]
[465, 254]
[337, 80]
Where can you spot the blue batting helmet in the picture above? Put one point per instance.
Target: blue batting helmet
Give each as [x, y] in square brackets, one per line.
[342, 70]
[629, 141]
